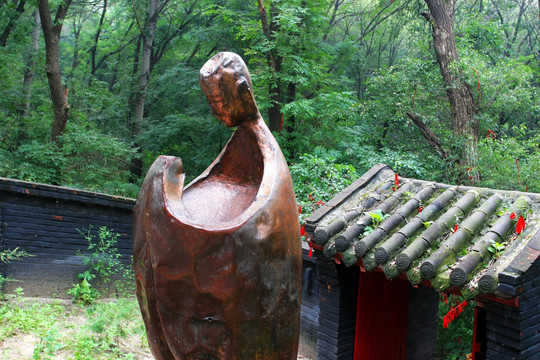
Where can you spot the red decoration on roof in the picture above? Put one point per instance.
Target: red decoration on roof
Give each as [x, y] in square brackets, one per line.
[512, 216]
[520, 226]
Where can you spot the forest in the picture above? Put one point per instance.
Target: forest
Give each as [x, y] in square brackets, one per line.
[92, 91]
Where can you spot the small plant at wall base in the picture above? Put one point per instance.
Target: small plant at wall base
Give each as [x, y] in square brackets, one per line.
[83, 292]
[6, 256]
[103, 259]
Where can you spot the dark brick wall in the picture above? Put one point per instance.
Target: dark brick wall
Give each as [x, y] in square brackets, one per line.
[422, 323]
[338, 289]
[309, 320]
[529, 313]
[43, 221]
[514, 333]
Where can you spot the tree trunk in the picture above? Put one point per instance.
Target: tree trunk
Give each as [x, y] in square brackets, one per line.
[76, 33]
[290, 127]
[144, 75]
[11, 25]
[460, 96]
[274, 62]
[93, 49]
[31, 65]
[51, 34]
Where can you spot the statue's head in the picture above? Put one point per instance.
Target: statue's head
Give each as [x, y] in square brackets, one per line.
[226, 83]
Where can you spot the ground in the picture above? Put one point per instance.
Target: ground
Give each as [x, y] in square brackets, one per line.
[38, 328]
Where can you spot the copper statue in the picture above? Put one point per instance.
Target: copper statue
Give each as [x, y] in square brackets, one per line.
[218, 263]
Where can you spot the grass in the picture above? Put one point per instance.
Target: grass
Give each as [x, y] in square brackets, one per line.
[33, 328]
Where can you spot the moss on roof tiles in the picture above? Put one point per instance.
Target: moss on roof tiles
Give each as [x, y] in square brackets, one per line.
[463, 236]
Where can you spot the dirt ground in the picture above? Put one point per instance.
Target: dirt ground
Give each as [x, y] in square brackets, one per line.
[21, 345]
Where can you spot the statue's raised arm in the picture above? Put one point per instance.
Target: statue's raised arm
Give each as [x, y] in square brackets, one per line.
[218, 263]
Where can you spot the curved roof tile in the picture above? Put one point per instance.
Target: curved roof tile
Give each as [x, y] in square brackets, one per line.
[449, 237]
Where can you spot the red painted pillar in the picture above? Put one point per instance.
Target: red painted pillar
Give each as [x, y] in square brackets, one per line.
[479, 333]
[381, 317]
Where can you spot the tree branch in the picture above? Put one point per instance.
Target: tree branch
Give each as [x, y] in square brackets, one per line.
[429, 135]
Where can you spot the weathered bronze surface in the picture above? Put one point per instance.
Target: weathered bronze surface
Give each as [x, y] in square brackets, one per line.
[218, 263]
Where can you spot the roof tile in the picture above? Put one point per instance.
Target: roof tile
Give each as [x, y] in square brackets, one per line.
[450, 236]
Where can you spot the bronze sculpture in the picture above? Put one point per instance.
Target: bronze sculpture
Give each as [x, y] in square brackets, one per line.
[218, 264]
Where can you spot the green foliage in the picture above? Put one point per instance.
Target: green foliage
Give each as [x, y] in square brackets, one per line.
[349, 72]
[84, 292]
[102, 256]
[19, 316]
[104, 266]
[368, 230]
[107, 324]
[497, 248]
[427, 224]
[511, 163]
[88, 158]
[317, 178]
[104, 330]
[196, 139]
[454, 342]
[377, 217]
[7, 256]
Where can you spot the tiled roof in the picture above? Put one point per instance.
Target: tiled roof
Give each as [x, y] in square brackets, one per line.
[459, 237]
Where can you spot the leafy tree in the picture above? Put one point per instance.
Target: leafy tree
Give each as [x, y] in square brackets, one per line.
[342, 74]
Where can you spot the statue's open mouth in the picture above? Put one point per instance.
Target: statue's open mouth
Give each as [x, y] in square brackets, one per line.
[226, 190]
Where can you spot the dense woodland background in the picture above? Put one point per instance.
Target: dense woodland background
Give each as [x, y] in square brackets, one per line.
[92, 91]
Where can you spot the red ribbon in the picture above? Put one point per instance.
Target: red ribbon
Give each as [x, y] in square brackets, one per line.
[520, 226]
[453, 313]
